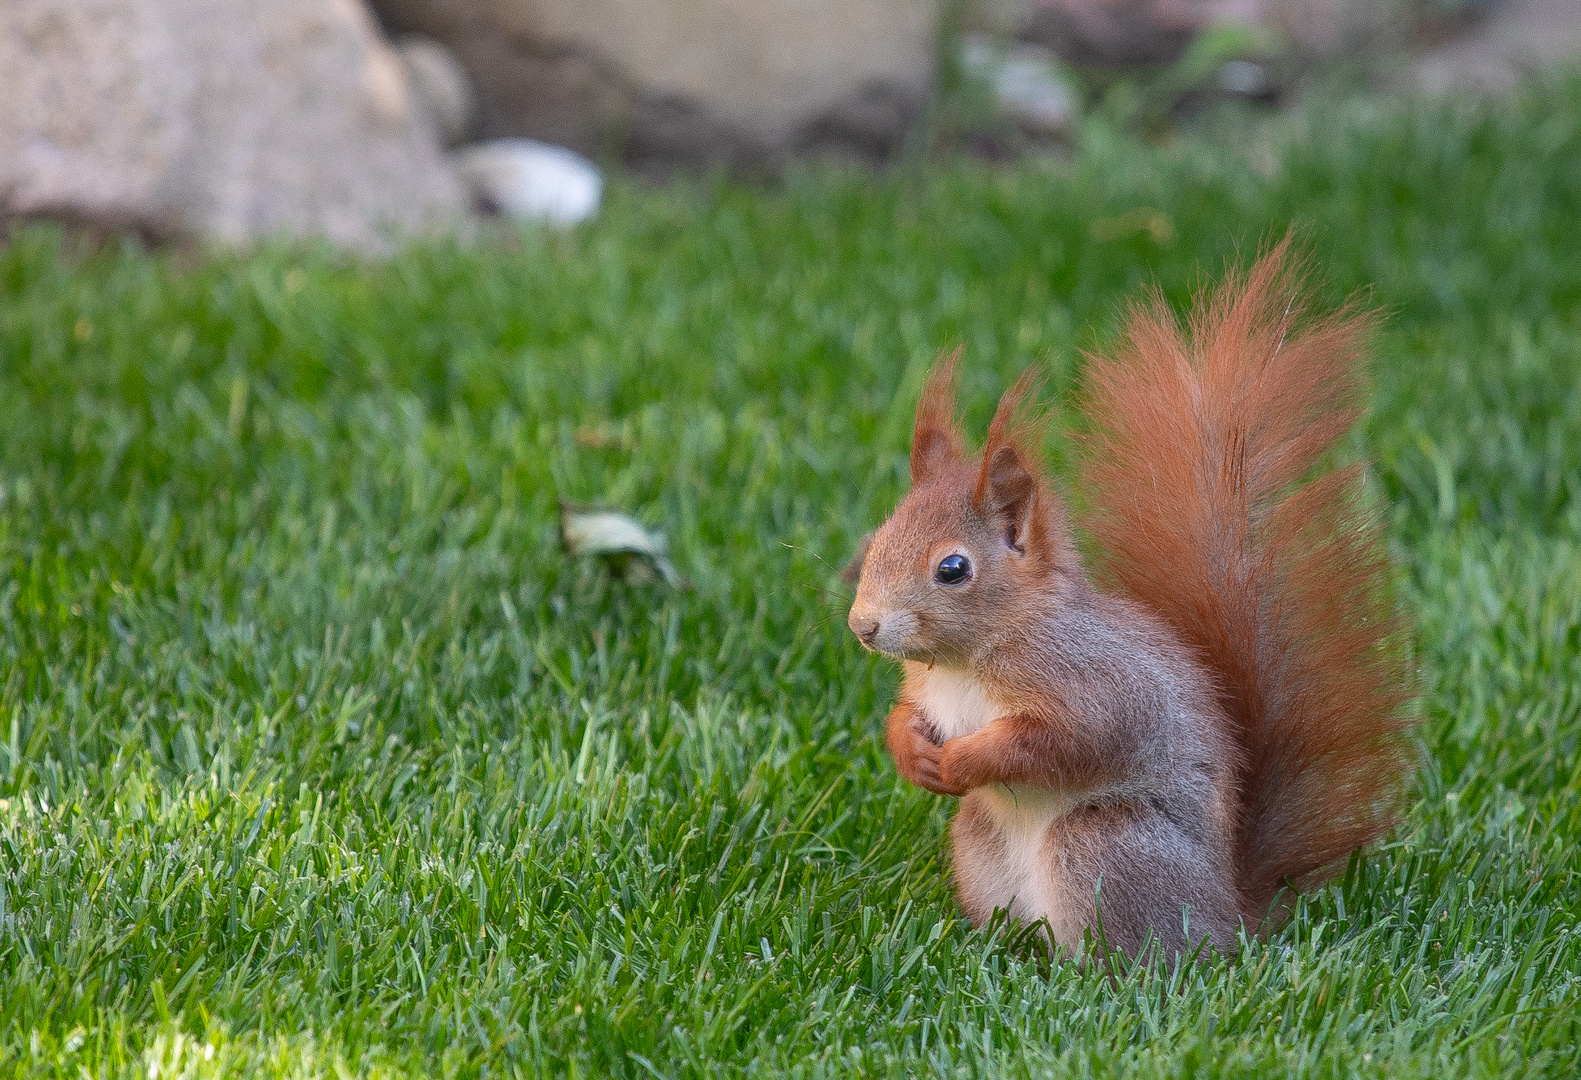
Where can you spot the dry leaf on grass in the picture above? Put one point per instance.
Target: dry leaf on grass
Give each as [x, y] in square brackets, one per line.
[632, 551]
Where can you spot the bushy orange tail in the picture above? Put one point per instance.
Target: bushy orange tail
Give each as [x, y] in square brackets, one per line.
[1208, 511]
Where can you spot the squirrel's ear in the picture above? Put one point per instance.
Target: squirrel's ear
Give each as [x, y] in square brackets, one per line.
[1006, 486]
[936, 438]
[1008, 494]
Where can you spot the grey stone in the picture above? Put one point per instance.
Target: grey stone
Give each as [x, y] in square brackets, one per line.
[1115, 32]
[228, 121]
[1121, 33]
[1516, 38]
[685, 82]
[441, 84]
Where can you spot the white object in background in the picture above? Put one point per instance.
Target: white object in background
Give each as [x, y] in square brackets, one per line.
[1025, 80]
[531, 180]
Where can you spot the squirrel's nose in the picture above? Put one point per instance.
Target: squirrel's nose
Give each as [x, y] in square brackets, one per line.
[864, 627]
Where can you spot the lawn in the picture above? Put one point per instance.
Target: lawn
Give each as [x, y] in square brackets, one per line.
[319, 757]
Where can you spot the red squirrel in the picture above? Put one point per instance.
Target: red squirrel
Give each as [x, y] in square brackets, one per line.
[1168, 757]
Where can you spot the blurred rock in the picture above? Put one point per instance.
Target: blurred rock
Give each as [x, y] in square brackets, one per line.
[1324, 29]
[441, 84]
[1107, 33]
[1514, 38]
[687, 82]
[997, 18]
[227, 121]
[531, 181]
[1118, 33]
[1025, 82]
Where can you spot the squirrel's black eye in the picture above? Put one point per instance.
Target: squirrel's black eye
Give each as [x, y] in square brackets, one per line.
[953, 569]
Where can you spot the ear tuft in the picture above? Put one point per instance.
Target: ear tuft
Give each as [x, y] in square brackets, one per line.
[936, 439]
[1007, 483]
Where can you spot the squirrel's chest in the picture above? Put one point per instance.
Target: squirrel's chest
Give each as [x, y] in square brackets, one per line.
[957, 704]
[953, 701]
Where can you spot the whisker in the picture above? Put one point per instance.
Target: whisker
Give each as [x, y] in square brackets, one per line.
[805, 550]
[841, 574]
[845, 597]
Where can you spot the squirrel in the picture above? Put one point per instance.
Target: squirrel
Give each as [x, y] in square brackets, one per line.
[1170, 757]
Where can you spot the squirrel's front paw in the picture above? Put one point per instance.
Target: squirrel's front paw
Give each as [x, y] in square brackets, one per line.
[923, 764]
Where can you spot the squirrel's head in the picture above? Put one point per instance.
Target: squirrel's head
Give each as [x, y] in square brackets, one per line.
[977, 547]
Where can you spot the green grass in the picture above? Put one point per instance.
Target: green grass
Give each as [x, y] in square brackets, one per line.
[318, 757]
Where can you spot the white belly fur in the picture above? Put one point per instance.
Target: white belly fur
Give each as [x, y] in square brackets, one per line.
[1021, 870]
[953, 701]
[957, 704]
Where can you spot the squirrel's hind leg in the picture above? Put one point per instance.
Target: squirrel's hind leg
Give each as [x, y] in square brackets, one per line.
[1000, 864]
[1139, 872]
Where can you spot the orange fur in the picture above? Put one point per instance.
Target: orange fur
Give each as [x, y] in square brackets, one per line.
[1209, 513]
